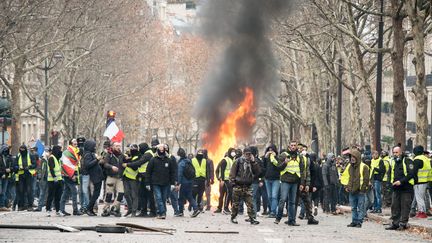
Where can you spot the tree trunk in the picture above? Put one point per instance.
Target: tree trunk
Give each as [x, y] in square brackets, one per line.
[399, 100]
[417, 17]
[16, 105]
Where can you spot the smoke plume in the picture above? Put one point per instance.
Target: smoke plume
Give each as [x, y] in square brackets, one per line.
[241, 26]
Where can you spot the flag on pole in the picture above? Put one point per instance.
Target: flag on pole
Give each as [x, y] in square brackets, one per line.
[114, 133]
[40, 147]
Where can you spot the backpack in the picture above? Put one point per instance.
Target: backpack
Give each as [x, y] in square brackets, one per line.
[189, 170]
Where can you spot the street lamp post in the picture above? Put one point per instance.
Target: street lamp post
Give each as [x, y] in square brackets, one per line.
[48, 66]
[379, 82]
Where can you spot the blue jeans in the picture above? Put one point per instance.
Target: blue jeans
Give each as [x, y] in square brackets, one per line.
[357, 201]
[377, 195]
[3, 192]
[69, 190]
[288, 194]
[273, 187]
[174, 195]
[43, 184]
[186, 194]
[84, 191]
[161, 194]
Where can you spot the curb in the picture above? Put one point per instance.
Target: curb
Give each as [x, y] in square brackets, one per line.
[380, 219]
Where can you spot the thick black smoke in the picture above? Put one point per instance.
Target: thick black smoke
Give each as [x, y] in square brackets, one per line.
[247, 61]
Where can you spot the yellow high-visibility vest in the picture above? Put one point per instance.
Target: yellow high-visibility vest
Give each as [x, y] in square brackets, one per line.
[387, 164]
[20, 166]
[129, 172]
[411, 181]
[229, 164]
[423, 173]
[200, 170]
[143, 167]
[57, 170]
[292, 167]
[346, 175]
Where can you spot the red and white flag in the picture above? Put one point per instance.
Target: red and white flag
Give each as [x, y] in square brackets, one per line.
[114, 133]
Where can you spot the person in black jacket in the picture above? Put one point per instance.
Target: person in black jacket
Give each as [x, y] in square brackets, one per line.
[403, 181]
[316, 181]
[146, 199]
[5, 172]
[225, 188]
[113, 161]
[161, 175]
[54, 179]
[210, 181]
[131, 188]
[330, 179]
[91, 163]
[272, 178]
[258, 183]
[243, 172]
[24, 166]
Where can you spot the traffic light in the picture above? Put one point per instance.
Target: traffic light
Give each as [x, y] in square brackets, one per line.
[110, 117]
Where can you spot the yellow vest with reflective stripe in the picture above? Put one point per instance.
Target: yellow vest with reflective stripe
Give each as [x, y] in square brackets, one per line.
[20, 166]
[292, 167]
[57, 171]
[129, 172]
[200, 170]
[387, 164]
[411, 181]
[143, 167]
[374, 164]
[423, 173]
[229, 164]
[346, 175]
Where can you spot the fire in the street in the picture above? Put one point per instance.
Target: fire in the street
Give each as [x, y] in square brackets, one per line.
[228, 134]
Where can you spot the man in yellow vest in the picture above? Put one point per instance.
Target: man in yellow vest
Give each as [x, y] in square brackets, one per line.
[202, 170]
[292, 174]
[355, 178]
[402, 177]
[23, 167]
[146, 199]
[378, 171]
[422, 167]
[54, 179]
[386, 185]
[130, 183]
[225, 188]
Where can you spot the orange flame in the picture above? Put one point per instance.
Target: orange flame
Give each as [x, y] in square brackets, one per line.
[228, 134]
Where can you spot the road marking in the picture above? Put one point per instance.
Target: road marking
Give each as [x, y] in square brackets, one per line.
[265, 230]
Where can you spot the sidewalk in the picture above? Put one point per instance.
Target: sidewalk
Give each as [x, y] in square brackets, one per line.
[421, 226]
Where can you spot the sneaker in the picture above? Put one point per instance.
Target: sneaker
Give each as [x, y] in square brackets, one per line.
[277, 221]
[234, 221]
[105, 213]
[64, 213]
[402, 227]
[30, 209]
[218, 211]
[421, 215]
[358, 226]
[291, 223]
[301, 216]
[254, 221]
[352, 225]
[412, 214]
[315, 213]
[392, 227]
[271, 216]
[90, 213]
[77, 213]
[313, 221]
[226, 211]
[61, 214]
[127, 213]
[195, 213]
[36, 210]
[179, 215]
[49, 213]
[265, 213]
[247, 220]
[142, 214]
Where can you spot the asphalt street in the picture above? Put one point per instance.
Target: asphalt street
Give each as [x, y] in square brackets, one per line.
[330, 229]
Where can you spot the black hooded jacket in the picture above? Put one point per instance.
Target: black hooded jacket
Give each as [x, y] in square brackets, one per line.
[25, 165]
[5, 161]
[220, 169]
[271, 171]
[91, 163]
[57, 152]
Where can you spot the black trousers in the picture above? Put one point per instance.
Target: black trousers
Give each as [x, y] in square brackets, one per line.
[25, 191]
[401, 205]
[305, 197]
[95, 195]
[146, 200]
[55, 190]
[198, 190]
[330, 198]
[131, 194]
[225, 195]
